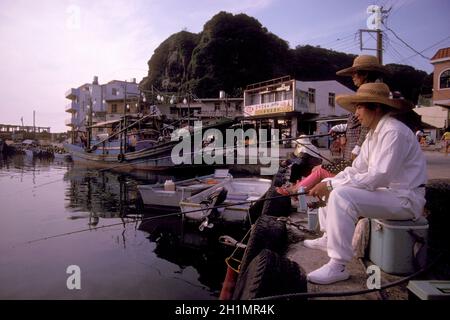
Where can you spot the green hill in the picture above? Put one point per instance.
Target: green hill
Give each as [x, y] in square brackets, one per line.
[233, 51]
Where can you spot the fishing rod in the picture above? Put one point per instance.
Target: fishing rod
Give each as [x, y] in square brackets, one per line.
[316, 153]
[166, 215]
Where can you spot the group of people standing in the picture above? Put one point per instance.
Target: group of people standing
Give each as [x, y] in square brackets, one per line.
[382, 175]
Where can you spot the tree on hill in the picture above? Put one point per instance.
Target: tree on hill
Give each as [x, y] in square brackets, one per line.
[405, 79]
[234, 51]
[169, 64]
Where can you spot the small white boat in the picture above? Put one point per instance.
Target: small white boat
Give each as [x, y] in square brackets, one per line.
[157, 195]
[238, 190]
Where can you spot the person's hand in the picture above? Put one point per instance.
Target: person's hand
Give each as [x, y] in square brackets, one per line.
[320, 190]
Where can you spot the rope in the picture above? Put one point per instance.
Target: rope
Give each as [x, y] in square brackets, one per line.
[352, 293]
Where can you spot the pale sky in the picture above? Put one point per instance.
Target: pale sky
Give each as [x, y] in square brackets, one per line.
[50, 46]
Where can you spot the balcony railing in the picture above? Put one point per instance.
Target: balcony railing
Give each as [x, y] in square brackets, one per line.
[71, 107]
[69, 122]
[71, 94]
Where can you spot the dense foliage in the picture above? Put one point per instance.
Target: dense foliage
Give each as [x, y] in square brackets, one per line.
[233, 51]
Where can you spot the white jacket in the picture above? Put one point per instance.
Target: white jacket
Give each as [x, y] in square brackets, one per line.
[390, 158]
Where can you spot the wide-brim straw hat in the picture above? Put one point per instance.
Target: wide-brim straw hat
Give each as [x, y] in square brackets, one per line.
[364, 63]
[373, 93]
[304, 140]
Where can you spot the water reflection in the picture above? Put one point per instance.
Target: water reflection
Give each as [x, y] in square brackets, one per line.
[184, 245]
[158, 258]
[95, 195]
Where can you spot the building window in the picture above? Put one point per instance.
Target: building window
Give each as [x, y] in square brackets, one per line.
[254, 99]
[444, 80]
[312, 95]
[268, 97]
[217, 106]
[115, 92]
[238, 106]
[114, 108]
[331, 97]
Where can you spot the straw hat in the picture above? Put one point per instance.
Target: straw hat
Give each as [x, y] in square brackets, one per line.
[375, 93]
[364, 63]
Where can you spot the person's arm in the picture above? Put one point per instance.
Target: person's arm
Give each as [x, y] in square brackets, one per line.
[362, 136]
[384, 164]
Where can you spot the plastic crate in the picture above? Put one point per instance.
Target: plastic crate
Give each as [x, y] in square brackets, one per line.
[392, 244]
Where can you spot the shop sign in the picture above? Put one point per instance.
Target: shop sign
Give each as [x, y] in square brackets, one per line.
[269, 108]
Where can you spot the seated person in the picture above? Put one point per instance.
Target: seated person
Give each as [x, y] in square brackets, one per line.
[386, 181]
[305, 157]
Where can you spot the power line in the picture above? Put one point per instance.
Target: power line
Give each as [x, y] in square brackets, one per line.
[428, 48]
[391, 42]
[406, 44]
[338, 40]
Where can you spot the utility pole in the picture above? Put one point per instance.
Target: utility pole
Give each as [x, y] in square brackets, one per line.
[376, 17]
[380, 46]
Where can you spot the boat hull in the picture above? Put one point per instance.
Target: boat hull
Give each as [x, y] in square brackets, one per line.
[238, 190]
[156, 195]
[156, 158]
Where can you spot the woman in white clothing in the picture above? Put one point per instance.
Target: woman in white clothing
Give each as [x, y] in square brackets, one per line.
[385, 181]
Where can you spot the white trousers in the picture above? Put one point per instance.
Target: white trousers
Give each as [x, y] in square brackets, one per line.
[345, 205]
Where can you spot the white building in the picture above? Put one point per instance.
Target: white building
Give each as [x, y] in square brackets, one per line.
[108, 102]
[294, 106]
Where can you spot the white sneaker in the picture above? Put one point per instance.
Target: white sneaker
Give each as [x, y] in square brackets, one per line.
[329, 273]
[318, 244]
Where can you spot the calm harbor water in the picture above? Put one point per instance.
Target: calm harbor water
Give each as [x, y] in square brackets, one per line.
[158, 259]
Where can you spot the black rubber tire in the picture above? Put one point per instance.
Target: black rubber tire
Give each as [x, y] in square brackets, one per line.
[267, 233]
[278, 179]
[280, 207]
[270, 274]
[437, 196]
[255, 209]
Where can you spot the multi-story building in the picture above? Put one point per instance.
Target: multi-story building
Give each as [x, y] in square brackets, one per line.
[441, 77]
[203, 109]
[294, 106]
[108, 101]
[435, 112]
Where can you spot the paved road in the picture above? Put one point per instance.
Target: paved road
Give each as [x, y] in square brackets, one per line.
[438, 164]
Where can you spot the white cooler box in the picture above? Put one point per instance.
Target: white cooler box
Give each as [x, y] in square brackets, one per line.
[392, 244]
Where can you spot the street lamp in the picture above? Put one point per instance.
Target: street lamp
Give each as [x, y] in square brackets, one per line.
[188, 102]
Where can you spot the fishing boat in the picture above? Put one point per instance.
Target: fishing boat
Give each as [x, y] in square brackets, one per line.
[238, 193]
[142, 143]
[168, 195]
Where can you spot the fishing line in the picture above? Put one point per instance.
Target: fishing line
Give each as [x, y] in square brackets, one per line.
[166, 215]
